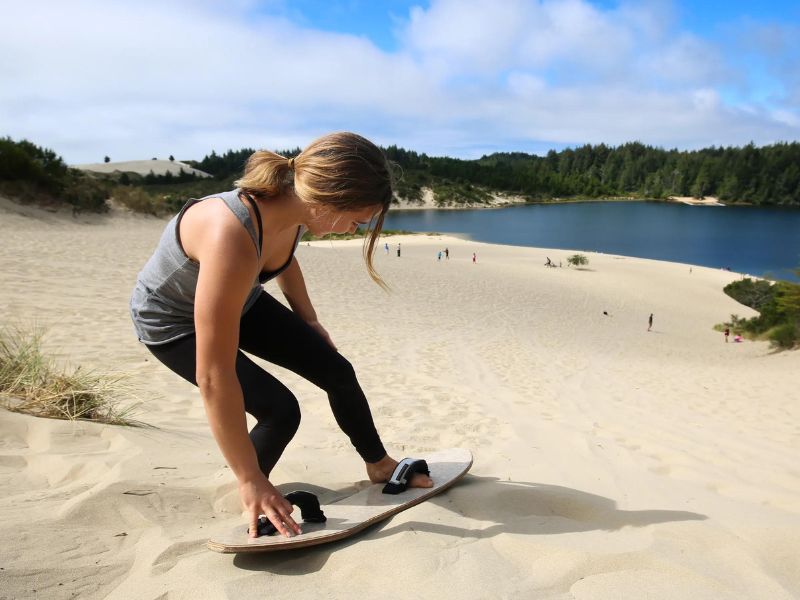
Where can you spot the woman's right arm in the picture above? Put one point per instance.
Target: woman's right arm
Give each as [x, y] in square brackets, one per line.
[227, 271]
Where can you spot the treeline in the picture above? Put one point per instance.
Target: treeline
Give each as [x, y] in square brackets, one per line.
[768, 175]
[224, 169]
[33, 173]
[232, 162]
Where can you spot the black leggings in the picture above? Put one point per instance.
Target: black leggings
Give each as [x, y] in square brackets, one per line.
[271, 331]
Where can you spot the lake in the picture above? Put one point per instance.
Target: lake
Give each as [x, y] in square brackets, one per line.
[746, 239]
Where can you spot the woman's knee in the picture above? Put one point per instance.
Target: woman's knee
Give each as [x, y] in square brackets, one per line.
[289, 417]
[340, 373]
[280, 412]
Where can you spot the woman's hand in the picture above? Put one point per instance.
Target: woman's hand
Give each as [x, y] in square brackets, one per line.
[317, 326]
[382, 470]
[260, 497]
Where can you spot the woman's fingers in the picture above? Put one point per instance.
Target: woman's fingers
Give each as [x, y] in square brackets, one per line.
[284, 523]
[253, 529]
[277, 521]
[281, 518]
[292, 524]
[286, 513]
[261, 498]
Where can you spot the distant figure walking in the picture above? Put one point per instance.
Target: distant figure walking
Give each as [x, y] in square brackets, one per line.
[727, 333]
[398, 249]
[650, 322]
[474, 258]
[440, 256]
[447, 253]
[386, 247]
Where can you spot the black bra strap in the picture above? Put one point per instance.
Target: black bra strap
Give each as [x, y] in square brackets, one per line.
[258, 218]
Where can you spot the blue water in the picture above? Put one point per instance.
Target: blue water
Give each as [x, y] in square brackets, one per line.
[753, 240]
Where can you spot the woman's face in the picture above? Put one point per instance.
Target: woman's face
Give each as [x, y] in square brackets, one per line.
[323, 221]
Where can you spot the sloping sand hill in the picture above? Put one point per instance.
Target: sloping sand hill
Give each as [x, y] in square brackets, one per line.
[610, 462]
[143, 167]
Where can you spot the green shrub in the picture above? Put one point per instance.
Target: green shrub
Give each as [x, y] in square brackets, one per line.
[172, 203]
[779, 311]
[752, 293]
[24, 161]
[784, 336]
[35, 174]
[577, 260]
[84, 192]
[359, 234]
[136, 199]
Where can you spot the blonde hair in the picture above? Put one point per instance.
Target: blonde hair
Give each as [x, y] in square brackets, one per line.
[341, 171]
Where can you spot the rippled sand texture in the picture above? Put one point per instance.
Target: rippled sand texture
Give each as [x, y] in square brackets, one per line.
[610, 462]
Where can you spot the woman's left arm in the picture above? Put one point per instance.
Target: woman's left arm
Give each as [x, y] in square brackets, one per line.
[293, 286]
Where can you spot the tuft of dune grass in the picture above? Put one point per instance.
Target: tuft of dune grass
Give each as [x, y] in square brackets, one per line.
[31, 383]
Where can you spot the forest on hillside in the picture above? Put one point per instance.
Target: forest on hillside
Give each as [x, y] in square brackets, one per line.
[766, 175]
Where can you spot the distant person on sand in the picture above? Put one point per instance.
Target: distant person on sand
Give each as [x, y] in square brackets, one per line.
[398, 249]
[440, 256]
[474, 258]
[650, 322]
[447, 253]
[386, 247]
[198, 306]
[727, 333]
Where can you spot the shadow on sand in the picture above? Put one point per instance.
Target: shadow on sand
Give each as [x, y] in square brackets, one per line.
[517, 507]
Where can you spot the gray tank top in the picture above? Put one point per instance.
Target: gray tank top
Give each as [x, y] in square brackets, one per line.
[162, 303]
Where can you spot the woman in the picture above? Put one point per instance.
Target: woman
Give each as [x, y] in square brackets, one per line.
[198, 303]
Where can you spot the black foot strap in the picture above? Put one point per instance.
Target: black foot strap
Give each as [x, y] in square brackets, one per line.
[402, 474]
[309, 510]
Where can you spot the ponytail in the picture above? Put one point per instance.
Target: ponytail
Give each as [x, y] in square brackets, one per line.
[266, 174]
[340, 171]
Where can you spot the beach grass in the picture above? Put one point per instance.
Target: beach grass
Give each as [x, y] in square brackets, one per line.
[360, 234]
[31, 383]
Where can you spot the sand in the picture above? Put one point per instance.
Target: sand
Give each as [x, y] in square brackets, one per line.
[143, 167]
[428, 200]
[704, 201]
[610, 462]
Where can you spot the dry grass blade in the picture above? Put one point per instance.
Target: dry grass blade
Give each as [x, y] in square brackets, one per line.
[31, 384]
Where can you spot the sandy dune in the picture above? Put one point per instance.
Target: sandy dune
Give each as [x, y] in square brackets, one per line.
[143, 167]
[610, 462]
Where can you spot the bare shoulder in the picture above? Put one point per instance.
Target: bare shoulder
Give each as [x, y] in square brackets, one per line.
[211, 227]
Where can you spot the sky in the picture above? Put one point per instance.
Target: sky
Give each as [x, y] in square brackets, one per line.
[463, 78]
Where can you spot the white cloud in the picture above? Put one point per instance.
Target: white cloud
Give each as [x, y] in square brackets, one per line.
[146, 79]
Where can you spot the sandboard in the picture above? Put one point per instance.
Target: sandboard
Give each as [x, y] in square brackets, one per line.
[352, 514]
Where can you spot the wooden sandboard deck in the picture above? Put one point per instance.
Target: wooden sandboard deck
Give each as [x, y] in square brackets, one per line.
[354, 513]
